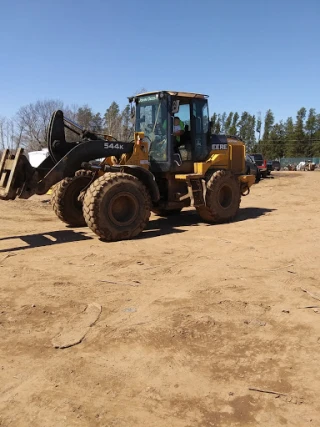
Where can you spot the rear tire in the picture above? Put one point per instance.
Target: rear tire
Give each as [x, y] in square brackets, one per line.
[222, 199]
[64, 198]
[117, 206]
[166, 212]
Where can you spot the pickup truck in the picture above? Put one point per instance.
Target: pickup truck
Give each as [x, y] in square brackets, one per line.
[252, 168]
[261, 162]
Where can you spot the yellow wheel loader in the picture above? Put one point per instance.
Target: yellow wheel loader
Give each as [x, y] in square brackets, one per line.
[173, 162]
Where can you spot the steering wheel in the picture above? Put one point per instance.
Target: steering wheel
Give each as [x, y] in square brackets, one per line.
[158, 148]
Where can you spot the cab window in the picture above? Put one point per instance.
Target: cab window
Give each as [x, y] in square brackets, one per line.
[200, 117]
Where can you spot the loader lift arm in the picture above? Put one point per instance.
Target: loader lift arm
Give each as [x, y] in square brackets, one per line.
[19, 179]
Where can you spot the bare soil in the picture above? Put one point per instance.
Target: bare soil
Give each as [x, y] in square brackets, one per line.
[192, 317]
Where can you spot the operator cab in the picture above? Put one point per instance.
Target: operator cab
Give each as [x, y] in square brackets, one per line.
[155, 114]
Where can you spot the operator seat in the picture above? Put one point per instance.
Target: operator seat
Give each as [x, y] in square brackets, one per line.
[186, 141]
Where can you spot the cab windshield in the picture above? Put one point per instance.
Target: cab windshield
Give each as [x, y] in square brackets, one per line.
[151, 118]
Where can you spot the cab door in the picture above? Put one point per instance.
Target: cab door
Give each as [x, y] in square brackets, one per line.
[200, 129]
[182, 151]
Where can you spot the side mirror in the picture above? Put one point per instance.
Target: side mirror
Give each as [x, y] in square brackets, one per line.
[175, 106]
[132, 115]
[132, 112]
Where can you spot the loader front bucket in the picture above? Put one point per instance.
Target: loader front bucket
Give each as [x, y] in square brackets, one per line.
[15, 170]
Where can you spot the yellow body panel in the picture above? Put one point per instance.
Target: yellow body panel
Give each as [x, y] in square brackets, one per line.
[247, 179]
[139, 156]
[184, 177]
[232, 158]
[218, 160]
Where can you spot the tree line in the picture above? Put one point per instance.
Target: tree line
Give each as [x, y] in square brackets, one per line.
[28, 128]
[294, 137]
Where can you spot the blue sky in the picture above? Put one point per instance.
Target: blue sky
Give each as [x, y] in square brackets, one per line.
[246, 55]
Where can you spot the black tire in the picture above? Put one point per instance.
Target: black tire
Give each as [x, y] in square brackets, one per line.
[117, 206]
[222, 199]
[258, 177]
[166, 212]
[65, 201]
[264, 174]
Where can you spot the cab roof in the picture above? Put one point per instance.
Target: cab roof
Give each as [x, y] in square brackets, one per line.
[174, 93]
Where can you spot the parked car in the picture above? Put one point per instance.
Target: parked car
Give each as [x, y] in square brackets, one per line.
[252, 168]
[273, 165]
[276, 165]
[261, 162]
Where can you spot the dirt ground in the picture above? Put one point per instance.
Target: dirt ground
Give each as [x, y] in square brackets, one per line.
[193, 316]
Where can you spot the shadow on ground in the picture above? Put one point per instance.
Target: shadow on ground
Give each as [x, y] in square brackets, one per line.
[173, 224]
[156, 227]
[45, 239]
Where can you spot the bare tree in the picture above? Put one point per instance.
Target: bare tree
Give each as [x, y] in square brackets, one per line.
[112, 119]
[10, 134]
[33, 120]
[2, 133]
[71, 111]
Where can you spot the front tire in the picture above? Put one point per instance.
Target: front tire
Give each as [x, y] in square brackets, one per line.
[222, 199]
[64, 198]
[117, 206]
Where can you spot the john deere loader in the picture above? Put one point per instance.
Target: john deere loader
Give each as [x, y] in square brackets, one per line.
[112, 186]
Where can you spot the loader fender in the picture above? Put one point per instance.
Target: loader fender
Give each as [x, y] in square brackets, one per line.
[146, 177]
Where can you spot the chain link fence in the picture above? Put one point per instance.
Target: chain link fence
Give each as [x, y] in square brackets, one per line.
[285, 161]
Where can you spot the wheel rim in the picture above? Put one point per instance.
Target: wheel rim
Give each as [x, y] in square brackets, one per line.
[123, 209]
[225, 196]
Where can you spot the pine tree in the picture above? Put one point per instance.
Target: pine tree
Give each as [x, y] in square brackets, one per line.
[223, 122]
[216, 123]
[97, 122]
[247, 129]
[300, 146]
[243, 125]
[310, 127]
[316, 137]
[235, 123]
[112, 120]
[311, 122]
[228, 123]
[276, 147]
[268, 123]
[84, 117]
[126, 125]
[259, 124]
[214, 119]
[266, 144]
[251, 132]
[289, 138]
